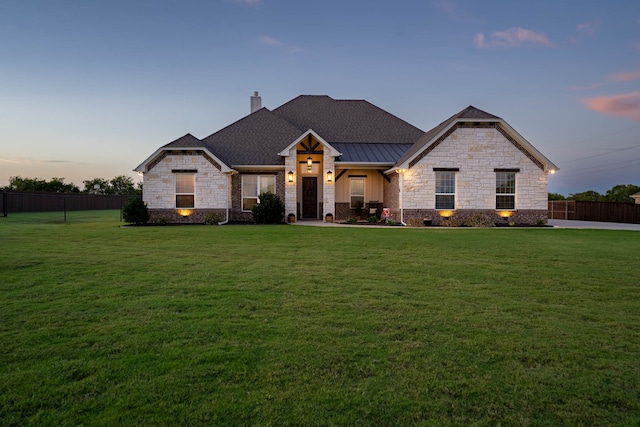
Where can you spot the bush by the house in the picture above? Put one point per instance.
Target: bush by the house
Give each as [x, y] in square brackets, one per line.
[270, 210]
[415, 222]
[135, 211]
[213, 218]
[478, 219]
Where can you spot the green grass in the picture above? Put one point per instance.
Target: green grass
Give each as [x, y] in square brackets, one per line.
[290, 325]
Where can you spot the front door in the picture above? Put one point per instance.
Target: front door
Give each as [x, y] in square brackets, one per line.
[310, 197]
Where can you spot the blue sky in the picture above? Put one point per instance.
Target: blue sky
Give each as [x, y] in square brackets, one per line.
[91, 88]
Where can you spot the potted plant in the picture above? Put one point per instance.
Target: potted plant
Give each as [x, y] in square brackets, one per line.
[427, 222]
[291, 218]
[328, 217]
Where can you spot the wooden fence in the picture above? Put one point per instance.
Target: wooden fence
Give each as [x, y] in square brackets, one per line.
[594, 211]
[19, 201]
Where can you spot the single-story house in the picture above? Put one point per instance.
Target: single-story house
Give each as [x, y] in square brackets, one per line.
[349, 158]
[636, 197]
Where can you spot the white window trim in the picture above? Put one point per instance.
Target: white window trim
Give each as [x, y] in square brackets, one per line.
[515, 189]
[175, 185]
[455, 191]
[257, 197]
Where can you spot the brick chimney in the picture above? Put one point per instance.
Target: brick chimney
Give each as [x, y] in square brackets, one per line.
[256, 102]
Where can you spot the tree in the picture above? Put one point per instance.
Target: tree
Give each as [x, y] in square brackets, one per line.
[622, 193]
[96, 186]
[122, 184]
[587, 196]
[56, 185]
[556, 196]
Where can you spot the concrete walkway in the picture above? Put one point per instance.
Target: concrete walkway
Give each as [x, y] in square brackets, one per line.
[559, 223]
[563, 223]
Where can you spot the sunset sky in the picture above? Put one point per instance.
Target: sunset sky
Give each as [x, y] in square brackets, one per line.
[92, 88]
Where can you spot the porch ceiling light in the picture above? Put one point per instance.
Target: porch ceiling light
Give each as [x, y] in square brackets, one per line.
[309, 164]
[290, 175]
[329, 176]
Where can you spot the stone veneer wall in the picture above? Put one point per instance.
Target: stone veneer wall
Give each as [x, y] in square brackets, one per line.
[171, 216]
[476, 151]
[521, 217]
[159, 187]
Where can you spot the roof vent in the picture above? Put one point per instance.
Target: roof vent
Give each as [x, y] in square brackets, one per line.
[256, 102]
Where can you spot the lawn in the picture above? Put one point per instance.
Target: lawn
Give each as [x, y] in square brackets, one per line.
[290, 325]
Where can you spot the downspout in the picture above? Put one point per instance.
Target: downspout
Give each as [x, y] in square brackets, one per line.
[401, 182]
[229, 175]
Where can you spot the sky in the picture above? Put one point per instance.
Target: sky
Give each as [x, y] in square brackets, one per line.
[89, 89]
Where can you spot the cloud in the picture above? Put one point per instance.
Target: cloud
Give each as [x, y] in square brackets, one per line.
[10, 161]
[451, 10]
[512, 37]
[271, 42]
[625, 105]
[615, 78]
[625, 77]
[588, 28]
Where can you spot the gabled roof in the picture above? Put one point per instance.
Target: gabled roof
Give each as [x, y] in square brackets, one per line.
[474, 115]
[186, 142]
[253, 140]
[347, 121]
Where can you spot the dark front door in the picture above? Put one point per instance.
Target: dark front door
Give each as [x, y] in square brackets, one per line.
[310, 197]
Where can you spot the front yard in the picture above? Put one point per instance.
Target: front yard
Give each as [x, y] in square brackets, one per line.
[286, 325]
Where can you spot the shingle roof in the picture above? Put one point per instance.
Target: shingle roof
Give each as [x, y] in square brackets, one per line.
[187, 141]
[253, 140]
[367, 152]
[347, 121]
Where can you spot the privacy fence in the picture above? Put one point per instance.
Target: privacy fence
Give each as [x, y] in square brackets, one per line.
[594, 211]
[19, 201]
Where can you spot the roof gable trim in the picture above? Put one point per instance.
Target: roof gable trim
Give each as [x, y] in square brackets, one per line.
[163, 152]
[332, 150]
[500, 125]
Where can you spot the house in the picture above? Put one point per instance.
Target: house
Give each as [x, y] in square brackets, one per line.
[636, 198]
[346, 158]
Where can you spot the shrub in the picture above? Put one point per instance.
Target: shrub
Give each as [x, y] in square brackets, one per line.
[135, 211]
[270, 210]
[450, 222]
[372, 219]
[415, 222]
[162, 220]
[352, 220]
[213, 218]
[478, 219]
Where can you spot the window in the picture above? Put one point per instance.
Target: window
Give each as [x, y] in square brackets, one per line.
[185, 190]
[357, 192]
[506, 190]
[253, 185]
[445, 190]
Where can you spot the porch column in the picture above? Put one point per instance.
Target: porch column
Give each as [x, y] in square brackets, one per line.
[290, 192]
[329, 188]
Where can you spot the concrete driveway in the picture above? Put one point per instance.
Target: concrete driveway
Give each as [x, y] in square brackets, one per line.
[563, 223]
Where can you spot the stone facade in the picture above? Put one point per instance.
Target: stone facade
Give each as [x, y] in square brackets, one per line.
[237, 214]
[460, 216]
[475, 152]
[160, 187]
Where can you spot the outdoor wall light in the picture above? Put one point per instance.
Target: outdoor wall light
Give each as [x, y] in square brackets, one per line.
[445, 214]
[290, 176]
[329, 176]
[309, 164]
[505, 214]
[184, 212]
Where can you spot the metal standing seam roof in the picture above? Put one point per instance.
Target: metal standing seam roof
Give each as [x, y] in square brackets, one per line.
[370, 153]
